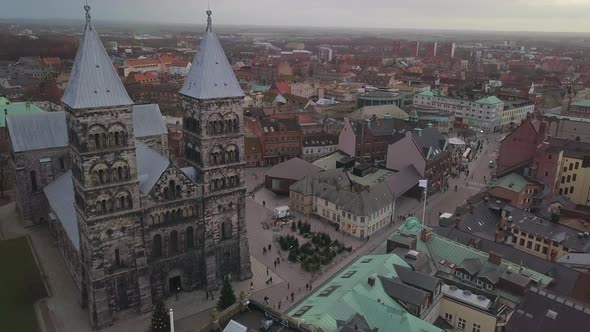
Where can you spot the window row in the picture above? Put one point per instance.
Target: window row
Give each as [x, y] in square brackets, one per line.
[217, 125]
[176, 215]
[226, 182]
[107, 204]
[102, 174]
[172, 191]
[220, 156]
[173, 243]
[108, 140]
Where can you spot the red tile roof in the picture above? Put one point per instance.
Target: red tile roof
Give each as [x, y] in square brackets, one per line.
[52, 61]
[148, 62]
[282, 87]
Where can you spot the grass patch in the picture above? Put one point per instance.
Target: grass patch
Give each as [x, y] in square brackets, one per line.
[20, 285]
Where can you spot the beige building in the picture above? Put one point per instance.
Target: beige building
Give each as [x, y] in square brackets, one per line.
[573, 175]
[468, 312]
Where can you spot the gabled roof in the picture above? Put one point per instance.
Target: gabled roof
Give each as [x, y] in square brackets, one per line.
[150, 166]
[15, 109]
[211, 75]
[94, 83]
[416, 278]
[60, 196]
[294, 168]
[402, 292]
[148, 121]
[36, 131]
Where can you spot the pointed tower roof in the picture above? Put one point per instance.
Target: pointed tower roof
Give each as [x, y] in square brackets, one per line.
[211, 75]
[94, 83]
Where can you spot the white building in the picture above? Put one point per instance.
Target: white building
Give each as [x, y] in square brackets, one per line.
[325, 54]
[514, 112]
[484, 113]
[180, 68]
[315, 146]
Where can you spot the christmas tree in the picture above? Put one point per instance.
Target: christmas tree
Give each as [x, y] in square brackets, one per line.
[160, 319]
[227, 296]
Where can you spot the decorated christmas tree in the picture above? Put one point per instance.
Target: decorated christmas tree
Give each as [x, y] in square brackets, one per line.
[160, 319]
[227, 296]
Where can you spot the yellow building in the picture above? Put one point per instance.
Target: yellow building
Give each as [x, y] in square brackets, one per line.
[573, 174]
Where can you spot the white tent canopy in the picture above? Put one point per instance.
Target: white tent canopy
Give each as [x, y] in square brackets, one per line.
[456, 141]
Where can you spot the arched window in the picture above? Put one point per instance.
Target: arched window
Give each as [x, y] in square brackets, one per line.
[120, 173]
[62, 164]
[226, 230]
[172, 189]
[190, 238]
[178, 191]
[174, 242]
[118, 258]
[157, 246]
[129, 202]
[34, 186]
[101, 177]
[166, 193]
[167, 217]
[103, 206]
[97, 141]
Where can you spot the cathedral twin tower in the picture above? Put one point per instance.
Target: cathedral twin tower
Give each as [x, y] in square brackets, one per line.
[149, 229]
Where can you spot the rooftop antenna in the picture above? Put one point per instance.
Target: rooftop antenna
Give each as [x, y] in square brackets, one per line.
[87, 9]
[209, 12]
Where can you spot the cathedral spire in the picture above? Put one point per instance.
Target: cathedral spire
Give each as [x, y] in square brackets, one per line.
[94, 83]
[211, 76]
[209, 28]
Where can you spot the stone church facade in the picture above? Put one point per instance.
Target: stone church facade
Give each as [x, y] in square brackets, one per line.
[133, 227]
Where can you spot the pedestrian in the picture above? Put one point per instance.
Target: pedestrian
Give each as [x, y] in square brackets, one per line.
[279, 304]
[267, 270]
[279, 260]
[275, 265]
[207, 295]
[292, 296]
[263, 203]
[266, 299]
[306, 286]
[271, 280]
[269, 246]
[264, 250]
[310, 287]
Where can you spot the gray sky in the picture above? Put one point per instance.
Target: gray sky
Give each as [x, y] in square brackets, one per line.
[514, 15]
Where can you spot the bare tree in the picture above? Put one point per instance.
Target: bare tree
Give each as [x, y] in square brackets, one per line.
[4, 173]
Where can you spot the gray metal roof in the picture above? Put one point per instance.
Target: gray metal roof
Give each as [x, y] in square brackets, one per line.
[211, 75]
[60, 195]
[294, 169]
[150, 166]
[148, 121]
[94, 83]
[36, 131]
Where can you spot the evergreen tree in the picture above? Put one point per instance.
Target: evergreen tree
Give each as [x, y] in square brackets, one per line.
[160, 319]
[227, 297]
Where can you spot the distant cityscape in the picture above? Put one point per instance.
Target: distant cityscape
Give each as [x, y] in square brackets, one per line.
[252, 178]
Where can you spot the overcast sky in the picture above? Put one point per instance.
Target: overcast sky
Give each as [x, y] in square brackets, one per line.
[512, 15]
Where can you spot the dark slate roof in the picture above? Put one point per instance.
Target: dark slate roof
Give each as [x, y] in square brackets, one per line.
[294, 169]
[404, 180]
[430, 139]
[564, 277]
[94, 83]
[148, 121]
[402, 292]
[368, 201]
[416, 279]
[34, 131]
[393, 126]
[60, 196]
[356, 323]
[211, 75]
[472, 265]
[535, 310]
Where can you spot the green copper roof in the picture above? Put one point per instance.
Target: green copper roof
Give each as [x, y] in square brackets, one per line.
[513, 182]
[490, 100]
[583, 103]
[15, 109]
[428, 93]
[351, 294]
[441, 248]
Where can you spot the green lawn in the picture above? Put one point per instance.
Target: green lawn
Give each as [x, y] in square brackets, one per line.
[20, 286]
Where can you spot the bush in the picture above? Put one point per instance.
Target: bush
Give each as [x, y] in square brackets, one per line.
[293, 227]
[299, 223]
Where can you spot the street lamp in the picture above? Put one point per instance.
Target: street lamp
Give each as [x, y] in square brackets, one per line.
[171, 320]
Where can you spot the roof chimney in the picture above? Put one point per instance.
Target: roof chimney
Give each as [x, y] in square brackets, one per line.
[418, 131]
[425, 234]
[371, 281]
[495, 258]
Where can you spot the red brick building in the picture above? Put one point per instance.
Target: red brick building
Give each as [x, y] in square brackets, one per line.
[280, 139]
[518, 149]
[519, 191]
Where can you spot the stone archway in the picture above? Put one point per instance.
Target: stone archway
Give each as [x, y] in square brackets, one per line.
[175, 282]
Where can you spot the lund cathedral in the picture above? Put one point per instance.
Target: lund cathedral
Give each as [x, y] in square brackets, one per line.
[133, 227]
